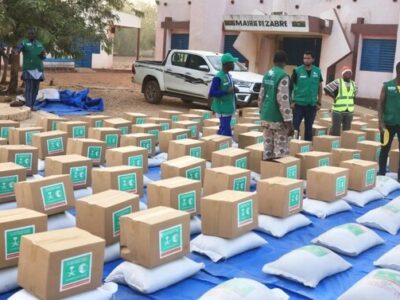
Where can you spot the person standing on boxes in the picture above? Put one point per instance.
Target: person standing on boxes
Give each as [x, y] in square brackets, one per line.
[389, 118]
[222, 93]
[343, 91]
[275, 111]
[307, 93]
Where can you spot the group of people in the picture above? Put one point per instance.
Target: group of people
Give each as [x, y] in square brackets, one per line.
[285, 101]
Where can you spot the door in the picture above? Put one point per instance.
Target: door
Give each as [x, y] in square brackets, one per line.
[295, 48]
[180, 41]
[174, 75]
[197, 79]
[87, 50]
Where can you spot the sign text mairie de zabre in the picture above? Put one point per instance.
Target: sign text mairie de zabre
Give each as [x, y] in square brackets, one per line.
[267, 23]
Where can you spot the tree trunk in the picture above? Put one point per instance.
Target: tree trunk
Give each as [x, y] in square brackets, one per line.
[5, 71]
[13, 85]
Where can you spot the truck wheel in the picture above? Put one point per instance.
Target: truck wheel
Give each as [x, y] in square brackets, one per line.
[152, 92]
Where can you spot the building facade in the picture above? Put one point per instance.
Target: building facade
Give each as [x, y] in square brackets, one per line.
[358, 33]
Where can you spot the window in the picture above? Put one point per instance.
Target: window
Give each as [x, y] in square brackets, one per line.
[217, 65]
[179, 59]
[195, 61]
[378, 55]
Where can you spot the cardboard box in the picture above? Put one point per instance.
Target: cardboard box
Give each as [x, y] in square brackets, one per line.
[342, 154]
[173, 115]
[193, 127]
[395, 143]
[130, 156]
[327, 183]
[205, 114]
[211, 122]
[149, 128]
[14, 224]
[186, 147]
[246, 110]
[373, 123]
[100, 213]
[373, 134]
[326, 143]
[96, 121]
[23, 155]
[10, 174]
[3, 141]
[50, 143]
[192, 117]
[155, 236]
[359, 126]
[60, 263]
[171, 135]
[121, 178]
[256, 156]
[176, 192]
[91, 148]
[250, 138]
[323, 113]
[250, 114]
[136, 118]
[245, 127]
[280, 196]
[251, 119]
[323, 124]
[213, 130]
[49, 195]
[230, 157]
[111, 136]
[143, 140]
[75, 129]
[288, 167]
[229, 214]
[362, 174]
[78, 167]
[351, 138]
[226, 178]
[369, 150]
[313, 159]
[394, 160]
[51, 122]
[5, 126]
[366, 117]
[165, 123]
[22, 136]
[186, 166]
[124, 125]
[214, 143]
[299, 146]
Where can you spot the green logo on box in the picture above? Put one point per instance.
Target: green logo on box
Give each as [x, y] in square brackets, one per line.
[361, 139]
[147, 144]
[305, 148]
[127, 183]
[340, 185]
[78, 175]
[193, 131]
[76, 271]
[99, 124]
[187, 201]
[241, 163]
[124, 130]
[111, 140]
[135, 161]
[245, 213]
[291, 172]
[140, 120]
[115, 219]
[206, 116]
[12, 239]
[370, 176]
[294, 199]
[315, 250]
[164, 126]
[53, 196]
[79, 132]
[174, 118]
[194, 173]
[28, 136]
[336, 144]
[223, 146]
[378, 137]
[260, 140]
[24, 160]
[233, 121]
[356, 156]
[7, 185]
[94, 153]
[321, 132]
[54, 125]
[353, 228]
[240, 184]
[170, 241]
[182, 136]
[323, 162]
[258, 122]
[5, 132]
[155, 132]
[195, 152]
[55, 145]
[387, 275]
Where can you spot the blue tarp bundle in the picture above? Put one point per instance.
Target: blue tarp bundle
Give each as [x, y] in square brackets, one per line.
[72, 103]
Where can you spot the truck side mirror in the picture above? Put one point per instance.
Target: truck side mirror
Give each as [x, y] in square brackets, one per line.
[204, 68]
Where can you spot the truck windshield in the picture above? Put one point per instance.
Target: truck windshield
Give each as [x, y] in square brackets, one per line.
[216, 63]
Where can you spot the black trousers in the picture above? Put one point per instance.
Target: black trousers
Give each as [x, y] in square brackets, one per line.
[308, 114]
[383, 157]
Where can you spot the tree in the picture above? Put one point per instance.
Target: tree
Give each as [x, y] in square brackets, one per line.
[62, 26]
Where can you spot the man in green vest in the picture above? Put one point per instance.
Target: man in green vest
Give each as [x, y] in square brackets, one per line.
[222, 93]
[343, 91]
[275, 111]
[389, 118]
[32, 67]
[307, 94]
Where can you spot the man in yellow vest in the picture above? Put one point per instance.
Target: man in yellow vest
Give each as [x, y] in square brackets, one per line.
[343, 91]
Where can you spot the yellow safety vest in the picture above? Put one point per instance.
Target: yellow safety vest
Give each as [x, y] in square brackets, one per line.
[345, 97]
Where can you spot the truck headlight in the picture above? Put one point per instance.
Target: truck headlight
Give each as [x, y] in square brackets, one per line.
[244, 84]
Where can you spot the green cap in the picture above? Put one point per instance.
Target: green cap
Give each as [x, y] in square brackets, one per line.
[228, 58]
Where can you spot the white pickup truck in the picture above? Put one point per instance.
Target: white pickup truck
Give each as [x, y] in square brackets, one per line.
[187, 75]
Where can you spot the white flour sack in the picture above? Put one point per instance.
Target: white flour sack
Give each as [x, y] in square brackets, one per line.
[379, 284]
[307, 265]
[279, 227]
[349, 239]
[386, 218]
[386, 185]
[390, 260]
[361, 199]
[322, 209]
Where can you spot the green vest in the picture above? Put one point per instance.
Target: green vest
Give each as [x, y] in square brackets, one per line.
[226, 104]
[31, 53]
[306, 89]
[269, 107]
[345, 97]
[391, 113]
